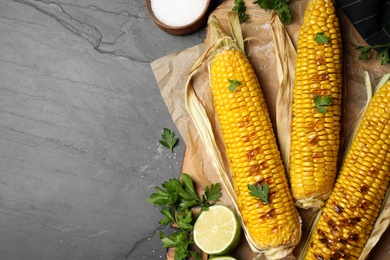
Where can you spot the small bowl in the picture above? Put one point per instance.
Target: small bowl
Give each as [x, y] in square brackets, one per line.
[185, 29]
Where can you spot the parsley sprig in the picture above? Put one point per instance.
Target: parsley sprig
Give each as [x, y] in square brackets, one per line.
[260, 191]
[320, 38]
[233, 84]
[168, 139]
[177, 197]
[321, 102]
[280, 6]
[240, 8]
[383, 52]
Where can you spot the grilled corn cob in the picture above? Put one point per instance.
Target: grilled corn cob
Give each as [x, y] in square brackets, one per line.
[352, 208]
[251, 149]
[315, 133]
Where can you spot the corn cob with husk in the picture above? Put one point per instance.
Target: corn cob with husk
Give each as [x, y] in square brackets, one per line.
[347, 219]
[316, 106]
[271, 227]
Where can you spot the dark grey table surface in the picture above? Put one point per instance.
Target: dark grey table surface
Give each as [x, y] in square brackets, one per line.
[80, 120]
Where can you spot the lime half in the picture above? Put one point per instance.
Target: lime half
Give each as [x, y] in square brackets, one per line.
[217, 230]
[222, 258]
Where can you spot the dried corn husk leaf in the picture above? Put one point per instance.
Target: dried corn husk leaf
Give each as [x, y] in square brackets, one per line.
[285, 64]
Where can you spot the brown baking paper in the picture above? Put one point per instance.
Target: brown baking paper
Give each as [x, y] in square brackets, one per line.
[264, 50]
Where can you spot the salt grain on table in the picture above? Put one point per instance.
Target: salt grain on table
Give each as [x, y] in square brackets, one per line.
[178, 13]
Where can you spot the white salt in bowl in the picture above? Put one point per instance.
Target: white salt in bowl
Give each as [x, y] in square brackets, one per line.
[179, 17]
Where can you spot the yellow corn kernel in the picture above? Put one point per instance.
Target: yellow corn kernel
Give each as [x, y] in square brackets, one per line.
[325, 79]
[252, 152]
[353, 205]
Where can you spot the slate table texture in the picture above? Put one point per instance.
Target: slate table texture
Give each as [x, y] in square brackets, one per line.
[80, 119]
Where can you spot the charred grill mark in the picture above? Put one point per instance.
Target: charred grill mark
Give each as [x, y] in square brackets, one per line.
[363, 204]
[275, 229]
[343, 241]
[318, 155]
[270, 214]
[325, 242]
[314, 140]
[332, 224]
[264, 182]
[343, 222]
[373, 171]
[254, 169]
[321, 59]
[252, 153]
[324, 239]
[251, 137]
[354, 237]
[353, 221]
[338, 209]
[314, 78]
[340, 255]
[245, 122]
[337, 255]
[310, 126]
[257, 168]
[318, 257]
[263, 166]
[363, 189]
[271, 196]
[320, 232]
[246, 139]
[324, 76]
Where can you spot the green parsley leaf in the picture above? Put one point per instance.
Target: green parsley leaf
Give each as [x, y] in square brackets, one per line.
[320, 38]
[195, 255]
[259, 191]
[188, 183]
[384, 55]
[214, 193]
[181, 252]
[280, 6]
[233, 85]
[181, 241]
[167, 242]
[321, 102]
[382, 52]
[184, 219]
[240, 8]
[189, 196]
[168, 139]
[211, 195]
[364, 52]
[159, 198]
[169, 217]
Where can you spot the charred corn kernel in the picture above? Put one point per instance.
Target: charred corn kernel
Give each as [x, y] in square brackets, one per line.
[322, 78]
[353, 205]
[252, 152]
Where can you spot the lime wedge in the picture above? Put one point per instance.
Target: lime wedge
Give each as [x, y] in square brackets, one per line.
[222, 258]
[217, 230]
